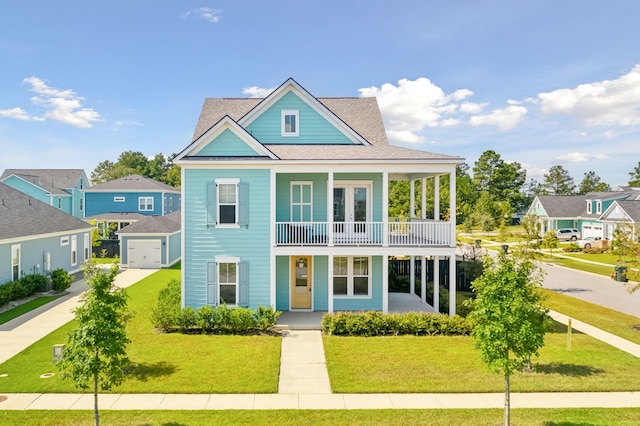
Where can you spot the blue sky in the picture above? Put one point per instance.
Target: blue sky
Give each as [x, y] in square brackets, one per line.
[539, 82]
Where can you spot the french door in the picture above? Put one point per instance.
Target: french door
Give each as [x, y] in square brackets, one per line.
[351, 211]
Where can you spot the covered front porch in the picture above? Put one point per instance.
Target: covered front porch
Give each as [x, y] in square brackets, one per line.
[398, 303]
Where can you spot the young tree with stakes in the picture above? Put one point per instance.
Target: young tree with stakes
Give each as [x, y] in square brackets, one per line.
[95, 354]
[510, 321]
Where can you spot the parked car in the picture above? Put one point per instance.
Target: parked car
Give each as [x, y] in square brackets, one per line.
[587, 242]
[568, 234]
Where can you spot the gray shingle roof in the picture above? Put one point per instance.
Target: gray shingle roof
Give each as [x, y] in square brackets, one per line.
[361, 114]
[132, 183]
[167, 224]
[22, 216]
[117, 217]
[51, 180]
[631, 208]
[354, 152]
[563, 205]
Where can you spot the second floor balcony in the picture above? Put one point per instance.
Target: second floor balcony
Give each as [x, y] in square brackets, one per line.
[395, 233]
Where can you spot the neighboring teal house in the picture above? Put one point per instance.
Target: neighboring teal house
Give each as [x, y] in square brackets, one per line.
[60, 188]
[591, 213]
[38, 238]
[285, 204]
[151, 243]
[131, 194]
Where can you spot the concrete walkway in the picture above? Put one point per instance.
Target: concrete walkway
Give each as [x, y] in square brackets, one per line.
[303, 369]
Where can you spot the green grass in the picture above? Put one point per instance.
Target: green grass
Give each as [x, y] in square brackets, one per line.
[106, 260]
[449, 417]
[7, 316]
[408, 364]
[609, 258]
[581, 266]
[162, 363]
[606, 319]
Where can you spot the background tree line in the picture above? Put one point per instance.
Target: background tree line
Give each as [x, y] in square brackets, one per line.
[490, 192]
[159, 168]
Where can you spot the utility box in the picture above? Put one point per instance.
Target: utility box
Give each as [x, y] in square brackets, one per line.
[57, 352]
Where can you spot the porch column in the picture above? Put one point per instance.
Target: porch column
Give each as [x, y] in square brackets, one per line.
[272, 257]
[385, 209]
[412, 277]
[424, 198]
[452, 285]
[436, 284]
[385, 283]
[412, 198]
[330, 209]
[436, 198]
[330, 284]
[452, 206]
[423, 279]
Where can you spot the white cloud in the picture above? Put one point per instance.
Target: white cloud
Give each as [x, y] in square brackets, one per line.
[257, 92]
[414, 105]
[505, 119]
[580, 157]
[608, 102]
[15, 113]
[471, 107]
[64, 106]
[206, 13]
[119, 124]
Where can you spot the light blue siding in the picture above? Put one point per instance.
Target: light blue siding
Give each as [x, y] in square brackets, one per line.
[282, 283]
[29, 189]
[227, 144]
[320, 283]
[313, 128]
[203, 243]
[32, 255]
[174, 248]
[283, 195]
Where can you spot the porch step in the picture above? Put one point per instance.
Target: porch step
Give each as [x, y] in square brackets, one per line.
[299, 321]
[303, 367]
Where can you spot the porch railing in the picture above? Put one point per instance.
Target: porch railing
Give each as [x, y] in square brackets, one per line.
[415, 232]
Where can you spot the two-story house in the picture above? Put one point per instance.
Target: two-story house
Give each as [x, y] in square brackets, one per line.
[59, 188]
[285, 204]
[122, 201]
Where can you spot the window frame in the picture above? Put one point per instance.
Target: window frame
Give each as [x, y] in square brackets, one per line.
[589, 207]
[146, 204]
[119, 199]
[283, 127]
[235, 183]
[74, 250]
[15, 256]
[598, 207]
[301, 204]
[351, 278]
[228, 261]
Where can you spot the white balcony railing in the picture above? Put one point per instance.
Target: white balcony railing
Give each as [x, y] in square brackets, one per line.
[416, 233]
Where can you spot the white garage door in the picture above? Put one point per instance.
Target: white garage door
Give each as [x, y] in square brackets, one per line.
[144, 254]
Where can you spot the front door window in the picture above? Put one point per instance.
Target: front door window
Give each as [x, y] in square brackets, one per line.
[351, 211]
[301, 282]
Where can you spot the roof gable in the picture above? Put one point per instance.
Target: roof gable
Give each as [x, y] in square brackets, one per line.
[168, 224]
[226, 139]
[283, 93]
[622, 211]
[559, 206]
[53, 181]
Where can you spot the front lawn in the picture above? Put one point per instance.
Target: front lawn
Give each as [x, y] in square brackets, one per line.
[448, 417]
[162, 363]
[408, 364]
[13, 313]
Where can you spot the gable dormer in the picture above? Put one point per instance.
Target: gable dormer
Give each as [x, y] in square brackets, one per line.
[291, 115]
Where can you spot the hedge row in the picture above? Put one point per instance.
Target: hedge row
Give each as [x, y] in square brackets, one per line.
[169, 317]
[380, 324]
[34, 283]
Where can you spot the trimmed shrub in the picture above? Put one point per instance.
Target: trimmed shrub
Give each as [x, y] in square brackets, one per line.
[374, 323]
[165, 315]
[265, 318]
[186, 320]
[60, 280]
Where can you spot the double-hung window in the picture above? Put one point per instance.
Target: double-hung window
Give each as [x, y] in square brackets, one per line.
[145, 204]
[228, 282]
[228, 203]
[352, 276]
[290, 122]
[15, 262]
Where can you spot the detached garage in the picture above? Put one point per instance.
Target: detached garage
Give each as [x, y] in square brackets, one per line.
[151, 243]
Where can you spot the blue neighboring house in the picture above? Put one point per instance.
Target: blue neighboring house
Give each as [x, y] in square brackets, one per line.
[593, 214]
[38, 238]
[131, 194]
[151, 243]
[60, 188]
[285, 204]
